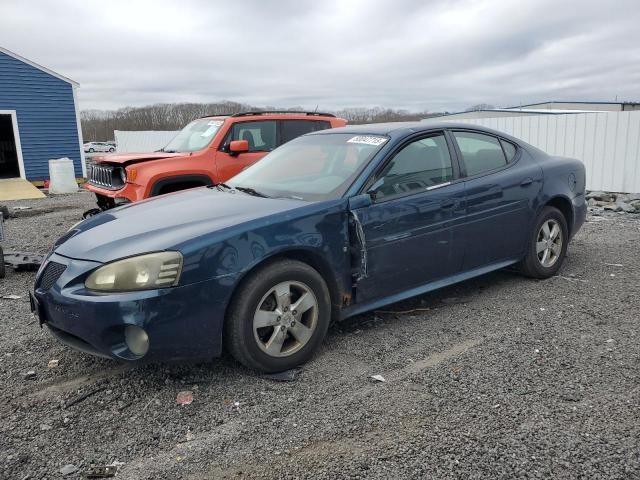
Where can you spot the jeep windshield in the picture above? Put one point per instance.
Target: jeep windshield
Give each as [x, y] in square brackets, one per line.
[312, 167]
[195, 136]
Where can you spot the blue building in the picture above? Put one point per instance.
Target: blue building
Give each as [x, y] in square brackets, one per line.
[39, 119]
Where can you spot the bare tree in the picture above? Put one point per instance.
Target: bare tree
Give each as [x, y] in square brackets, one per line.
[98, 125]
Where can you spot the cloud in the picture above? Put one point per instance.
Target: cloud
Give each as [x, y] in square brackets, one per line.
[442, 54]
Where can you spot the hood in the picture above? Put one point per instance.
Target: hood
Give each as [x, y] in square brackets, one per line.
[128, 158]
[166, 222]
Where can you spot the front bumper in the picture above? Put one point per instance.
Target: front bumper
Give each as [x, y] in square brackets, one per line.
[129, 193]
[183, 322]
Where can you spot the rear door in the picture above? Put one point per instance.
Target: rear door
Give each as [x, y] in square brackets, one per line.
[409, 230]
[501, 186]
[262, 137]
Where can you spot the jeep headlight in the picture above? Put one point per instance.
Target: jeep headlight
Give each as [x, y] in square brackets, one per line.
[144, 272]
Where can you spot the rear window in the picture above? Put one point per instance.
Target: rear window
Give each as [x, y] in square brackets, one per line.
[294, 128]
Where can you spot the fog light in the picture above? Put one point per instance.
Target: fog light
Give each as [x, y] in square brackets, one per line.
[136, 339]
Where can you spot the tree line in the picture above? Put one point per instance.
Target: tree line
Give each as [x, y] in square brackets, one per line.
[98, 125]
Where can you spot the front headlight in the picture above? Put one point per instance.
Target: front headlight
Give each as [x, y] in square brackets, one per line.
[153, 270]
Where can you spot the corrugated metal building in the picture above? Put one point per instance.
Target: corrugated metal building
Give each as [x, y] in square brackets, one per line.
[573, 105]
[502, 113]
[544, 108]
[128, 141]
[39, 119]
[607, 142]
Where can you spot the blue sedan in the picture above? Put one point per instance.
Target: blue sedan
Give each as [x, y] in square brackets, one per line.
[329, 225]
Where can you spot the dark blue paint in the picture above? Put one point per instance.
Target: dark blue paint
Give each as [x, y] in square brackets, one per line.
[500, 212]
[414, 244]
[411, 240]
[46, 115]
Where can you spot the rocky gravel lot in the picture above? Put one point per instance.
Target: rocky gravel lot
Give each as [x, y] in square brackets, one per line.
[498, 377]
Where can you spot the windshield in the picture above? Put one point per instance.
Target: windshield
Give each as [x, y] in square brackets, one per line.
[195, 136]
[313, 167]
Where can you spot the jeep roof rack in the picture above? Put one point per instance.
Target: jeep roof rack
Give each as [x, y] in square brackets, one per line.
[283, 112]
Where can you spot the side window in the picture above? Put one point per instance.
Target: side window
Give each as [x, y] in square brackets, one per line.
[260, 135]
[295, 128]
[509, 150]
[418, 166]
[480, 152]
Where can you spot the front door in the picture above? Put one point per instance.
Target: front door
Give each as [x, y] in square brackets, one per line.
[260, 135]
[410, 228]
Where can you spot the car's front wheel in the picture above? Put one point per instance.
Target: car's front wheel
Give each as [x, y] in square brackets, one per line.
[91, 150]
[548, 245]
[278, 317]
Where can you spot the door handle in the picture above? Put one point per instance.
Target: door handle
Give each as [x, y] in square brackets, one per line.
[526, 182]
[447, 204]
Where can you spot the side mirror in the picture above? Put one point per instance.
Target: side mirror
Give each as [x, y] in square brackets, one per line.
[373, 190]
[236, 147]
[360, 201]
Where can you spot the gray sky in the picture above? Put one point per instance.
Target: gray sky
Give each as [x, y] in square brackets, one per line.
[439, 54]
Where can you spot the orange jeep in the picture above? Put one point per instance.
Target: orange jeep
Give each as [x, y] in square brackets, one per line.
[209, 150]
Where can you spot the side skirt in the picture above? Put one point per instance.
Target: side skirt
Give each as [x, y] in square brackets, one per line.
[356, 309]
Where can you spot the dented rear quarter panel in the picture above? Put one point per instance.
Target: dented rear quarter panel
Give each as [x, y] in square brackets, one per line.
[565, 179]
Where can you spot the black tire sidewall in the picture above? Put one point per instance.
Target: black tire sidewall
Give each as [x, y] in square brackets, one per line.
[239, 328]
[533, 263]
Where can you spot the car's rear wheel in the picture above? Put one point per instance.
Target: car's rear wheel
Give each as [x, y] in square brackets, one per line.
[278, 317]
[548, 245]
[91, 150]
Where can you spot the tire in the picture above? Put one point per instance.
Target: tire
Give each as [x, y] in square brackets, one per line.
[91, 150]
[256, 301]
[536, 264]
[111, 150]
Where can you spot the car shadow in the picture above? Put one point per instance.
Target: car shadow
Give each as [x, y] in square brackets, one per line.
[159, 374]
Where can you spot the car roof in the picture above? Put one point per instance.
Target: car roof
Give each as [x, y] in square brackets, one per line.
[402, 128]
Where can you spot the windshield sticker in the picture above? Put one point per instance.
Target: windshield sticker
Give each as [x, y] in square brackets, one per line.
[215, 123]
[368, 140]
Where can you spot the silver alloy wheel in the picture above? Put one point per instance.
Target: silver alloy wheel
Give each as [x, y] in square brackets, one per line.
[549, 243]
[285, 319]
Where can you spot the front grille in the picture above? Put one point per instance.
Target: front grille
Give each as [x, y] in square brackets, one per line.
[104, 176]
[50, 275]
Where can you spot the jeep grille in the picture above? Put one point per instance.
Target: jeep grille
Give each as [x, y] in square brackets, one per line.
[105, 176]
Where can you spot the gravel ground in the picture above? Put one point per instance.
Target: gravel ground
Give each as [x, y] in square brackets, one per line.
[498, 377]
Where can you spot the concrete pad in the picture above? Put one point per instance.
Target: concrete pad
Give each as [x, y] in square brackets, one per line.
[18, 189]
